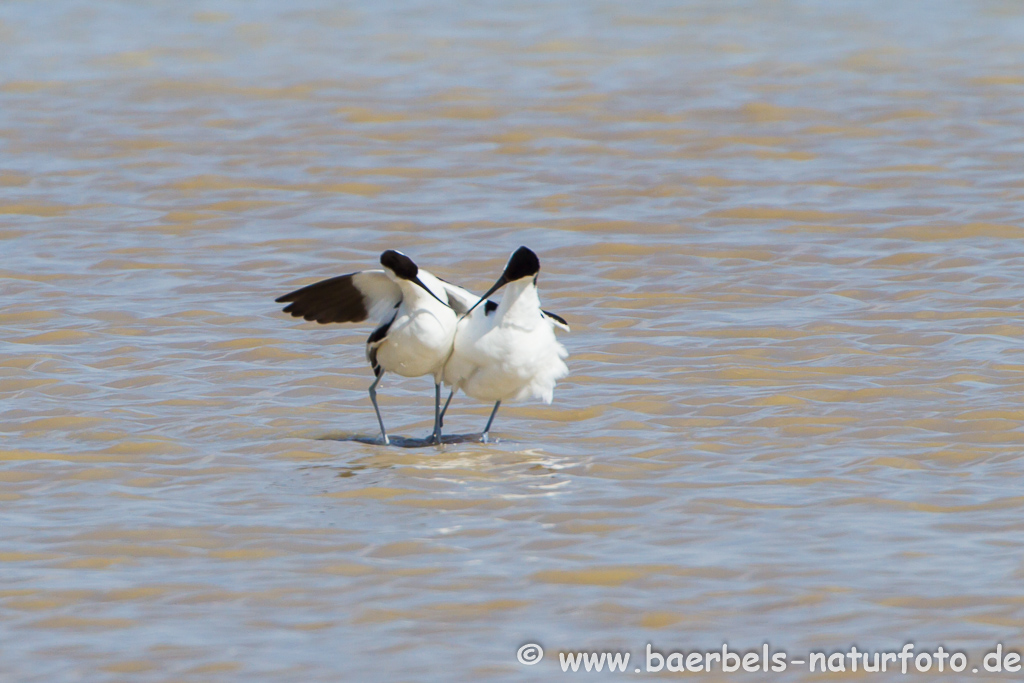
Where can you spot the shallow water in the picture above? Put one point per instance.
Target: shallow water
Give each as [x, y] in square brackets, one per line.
[788, 238]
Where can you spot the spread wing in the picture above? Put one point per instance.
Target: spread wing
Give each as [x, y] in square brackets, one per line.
[352, 298]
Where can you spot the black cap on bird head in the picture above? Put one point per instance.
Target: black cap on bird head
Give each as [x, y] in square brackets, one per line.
[399, 264]
[404, 269]
[522, 263]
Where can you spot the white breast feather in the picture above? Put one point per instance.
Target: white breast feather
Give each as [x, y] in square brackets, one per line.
[517, 359]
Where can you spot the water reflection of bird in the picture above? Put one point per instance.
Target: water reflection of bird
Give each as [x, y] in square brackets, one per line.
[507, 351]
[415, 321]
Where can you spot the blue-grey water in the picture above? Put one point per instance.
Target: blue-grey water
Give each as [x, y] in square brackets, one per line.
[788, 237]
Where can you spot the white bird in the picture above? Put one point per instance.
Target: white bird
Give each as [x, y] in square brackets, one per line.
[507, 351]
[415, 321]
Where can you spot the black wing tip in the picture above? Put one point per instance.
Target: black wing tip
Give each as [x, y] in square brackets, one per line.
[317, 317]
[294, 294]
[555, 317]
[295, 313]
[335, 300]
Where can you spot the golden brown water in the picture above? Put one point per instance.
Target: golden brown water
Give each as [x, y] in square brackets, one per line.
[788, 237]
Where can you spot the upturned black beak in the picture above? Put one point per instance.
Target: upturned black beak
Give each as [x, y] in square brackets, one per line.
[417, 281]
[502, 281]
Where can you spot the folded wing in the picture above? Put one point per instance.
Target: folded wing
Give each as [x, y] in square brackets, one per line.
[556, 320]
[461, 300]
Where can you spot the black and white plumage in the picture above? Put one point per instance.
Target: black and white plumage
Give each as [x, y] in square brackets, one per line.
[507, 351]
[414, 315]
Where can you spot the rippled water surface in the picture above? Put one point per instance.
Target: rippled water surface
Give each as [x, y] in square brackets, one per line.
[787, 235]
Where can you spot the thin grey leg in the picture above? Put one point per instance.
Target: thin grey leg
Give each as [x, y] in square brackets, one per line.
[489, 421]
[373, 399]
[437, 413]
[445, 409]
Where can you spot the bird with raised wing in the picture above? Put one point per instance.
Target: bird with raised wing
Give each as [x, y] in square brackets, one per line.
[415, 321]
[507, 351]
